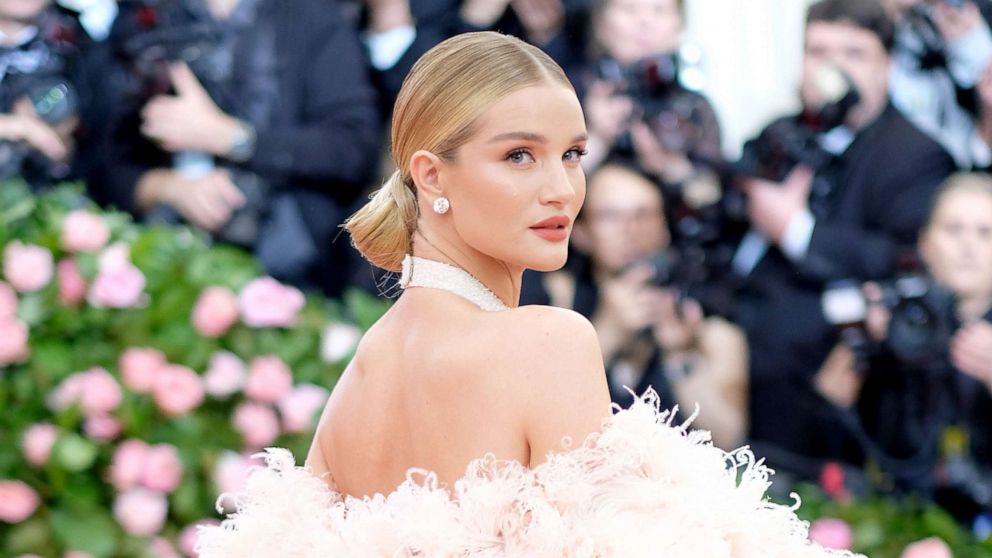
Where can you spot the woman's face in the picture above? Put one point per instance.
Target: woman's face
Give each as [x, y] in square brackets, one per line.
[957, 245]
[516, 186]
[629, 30]
[623, 220]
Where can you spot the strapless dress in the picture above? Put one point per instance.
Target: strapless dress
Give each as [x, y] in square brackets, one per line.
[643, 486]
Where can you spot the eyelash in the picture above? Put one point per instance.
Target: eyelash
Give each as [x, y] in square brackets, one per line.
[578, 152]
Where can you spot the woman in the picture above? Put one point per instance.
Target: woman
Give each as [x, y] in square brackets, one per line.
[648, 337]
[497, 402]
[912, 408]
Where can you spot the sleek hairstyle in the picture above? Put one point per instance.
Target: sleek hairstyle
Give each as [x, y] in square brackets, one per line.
[869, 15]
[967, 182]
[437, 110]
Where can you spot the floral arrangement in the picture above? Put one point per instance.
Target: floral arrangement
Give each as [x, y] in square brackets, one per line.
[140, 368]
[886, 526]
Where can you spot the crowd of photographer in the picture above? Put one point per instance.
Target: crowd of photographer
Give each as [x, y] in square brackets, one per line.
[827, 297]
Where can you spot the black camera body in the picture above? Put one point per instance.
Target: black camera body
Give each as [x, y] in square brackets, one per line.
[659, 100]
[39, 72]
[791, 142]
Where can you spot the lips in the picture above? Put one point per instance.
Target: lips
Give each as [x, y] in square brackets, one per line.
[553, 229]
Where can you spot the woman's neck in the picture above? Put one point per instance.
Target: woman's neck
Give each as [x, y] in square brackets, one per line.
[503, 280]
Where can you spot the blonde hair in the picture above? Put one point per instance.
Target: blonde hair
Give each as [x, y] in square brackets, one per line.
[965, 182]
[437, 110]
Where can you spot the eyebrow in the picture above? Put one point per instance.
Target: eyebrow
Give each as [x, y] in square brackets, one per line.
[530, 136]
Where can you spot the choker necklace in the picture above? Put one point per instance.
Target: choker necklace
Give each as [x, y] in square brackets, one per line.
[421, 272]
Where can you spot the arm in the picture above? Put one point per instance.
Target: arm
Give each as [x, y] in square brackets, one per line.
[717, 382]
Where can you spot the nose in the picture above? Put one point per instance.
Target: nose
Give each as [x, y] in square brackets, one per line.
[559, 188]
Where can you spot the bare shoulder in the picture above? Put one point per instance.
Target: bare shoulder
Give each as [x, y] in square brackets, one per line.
[554, 356]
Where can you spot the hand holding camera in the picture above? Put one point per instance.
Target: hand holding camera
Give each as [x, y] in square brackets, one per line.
[188, 120]
[772, 205]
[24, 125]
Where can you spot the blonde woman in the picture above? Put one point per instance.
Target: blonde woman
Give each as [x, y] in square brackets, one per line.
[468, 426]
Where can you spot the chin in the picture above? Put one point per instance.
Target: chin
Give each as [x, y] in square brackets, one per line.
[551, 261]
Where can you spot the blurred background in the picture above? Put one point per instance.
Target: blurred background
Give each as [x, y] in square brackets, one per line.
[788, 222]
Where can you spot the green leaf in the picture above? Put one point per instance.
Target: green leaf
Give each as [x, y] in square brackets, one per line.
[89, 529]
[74, 452]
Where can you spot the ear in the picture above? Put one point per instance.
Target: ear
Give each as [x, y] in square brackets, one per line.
[425, 169]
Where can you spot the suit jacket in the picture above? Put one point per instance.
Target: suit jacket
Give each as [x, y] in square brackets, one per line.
[320, 143]
[882, 188]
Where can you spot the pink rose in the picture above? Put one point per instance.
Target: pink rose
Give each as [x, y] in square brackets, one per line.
[101, 393]
[141, 512]
[117, 287]
[139, 366]
[38, 441]
[300, 405]
[177, 390]
[230, 476]
[128, 464]
[225, 375]
[162, 548]
[269, 379]
[13, 341]
[72, 284]
[189, 535]
[215, 312]
[8, 302]
[83, 231]
[68, 392]
[17, 501]
[27, 267]
[266, 302]
[257, 424]
[338, 340]
[932, 547]
[102, 427]
[115, 256]
[162, 471]
[829, 532]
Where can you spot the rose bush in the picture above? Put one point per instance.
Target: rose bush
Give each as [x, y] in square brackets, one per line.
[140, 368]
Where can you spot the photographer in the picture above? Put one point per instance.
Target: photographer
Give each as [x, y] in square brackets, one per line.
[398, 32]
[941, 50]
[925, 397]
[841, 220]
[44, 90]
[650, 334]
[253, 120]
[634, 103]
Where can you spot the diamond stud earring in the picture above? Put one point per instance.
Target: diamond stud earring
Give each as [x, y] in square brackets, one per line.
[441, 205]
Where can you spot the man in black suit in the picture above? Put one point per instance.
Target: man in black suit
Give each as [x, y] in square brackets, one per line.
[262, 139]
[846, 220]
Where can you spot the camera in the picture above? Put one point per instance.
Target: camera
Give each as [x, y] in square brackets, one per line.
[921, 318]
[790, 142]
[659, 100]
[691, 273]
[39, 73]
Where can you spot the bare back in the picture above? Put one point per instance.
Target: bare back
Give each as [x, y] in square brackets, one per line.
[438, 382]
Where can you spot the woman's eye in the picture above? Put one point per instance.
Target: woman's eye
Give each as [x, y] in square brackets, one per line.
[520, 157]
[575, 154]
